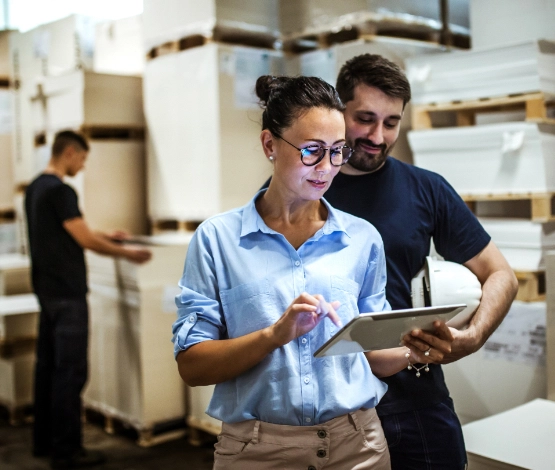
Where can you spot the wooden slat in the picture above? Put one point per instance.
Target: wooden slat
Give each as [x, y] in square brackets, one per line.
[541, 204]
[531, 286]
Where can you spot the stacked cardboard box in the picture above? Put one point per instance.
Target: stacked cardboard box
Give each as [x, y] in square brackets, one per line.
[133, 375]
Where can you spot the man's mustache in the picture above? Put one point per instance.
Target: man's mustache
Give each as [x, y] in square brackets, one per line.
[369, 143]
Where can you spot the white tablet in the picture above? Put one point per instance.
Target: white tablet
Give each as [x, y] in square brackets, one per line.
[383, 330]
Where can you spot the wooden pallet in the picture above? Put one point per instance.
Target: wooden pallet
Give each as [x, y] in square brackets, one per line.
[7, 214]
[535, 106]
[4, 82]
[150, 436]
[531, 285]
[17, 415]
[172, 225]
[220, 34]
[368, 25]
[542, 205]
[16, 347]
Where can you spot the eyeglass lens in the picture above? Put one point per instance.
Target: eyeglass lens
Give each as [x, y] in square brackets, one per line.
[314, 154]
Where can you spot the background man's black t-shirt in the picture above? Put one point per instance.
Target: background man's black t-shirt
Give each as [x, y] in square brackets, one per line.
[57, 260]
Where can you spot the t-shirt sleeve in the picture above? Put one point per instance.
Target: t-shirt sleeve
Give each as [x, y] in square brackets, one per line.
[458, 235]
[64, 201]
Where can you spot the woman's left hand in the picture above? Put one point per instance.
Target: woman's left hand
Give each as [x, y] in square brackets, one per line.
[429, 347]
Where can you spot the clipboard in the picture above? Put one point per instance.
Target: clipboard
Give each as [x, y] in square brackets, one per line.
[383, 330]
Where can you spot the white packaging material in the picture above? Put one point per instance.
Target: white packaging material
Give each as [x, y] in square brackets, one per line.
[508, 371]
[53, 48]
[501, 22]
[8, 237]
[132, 370]
[204, 153]
[18, 316]
[519, 438]
[119, 46]
[199, 399]
[7, 180]
[171, 20]
[92, 99]
[550, 335]
[522, 242]
[483, 73]
[501, 158]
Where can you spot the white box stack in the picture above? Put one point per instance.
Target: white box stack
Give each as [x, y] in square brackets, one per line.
[484, 73]
[508, 371]
[514, 157]
[172, 20]
[118, 46]
[133, 375]
[498, 22]
[204, 127]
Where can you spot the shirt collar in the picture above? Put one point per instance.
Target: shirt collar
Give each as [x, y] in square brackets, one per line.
[252, 222]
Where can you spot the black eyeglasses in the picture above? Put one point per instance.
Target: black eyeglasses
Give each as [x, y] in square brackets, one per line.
[314, 154]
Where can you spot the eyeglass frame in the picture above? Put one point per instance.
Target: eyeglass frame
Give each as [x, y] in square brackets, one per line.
[323, 154]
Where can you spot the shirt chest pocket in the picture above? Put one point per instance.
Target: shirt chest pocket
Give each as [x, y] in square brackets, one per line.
[249, 307]
[345, 291]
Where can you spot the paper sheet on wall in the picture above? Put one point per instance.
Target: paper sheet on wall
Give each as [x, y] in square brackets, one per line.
[319, 64]
[168, 299]
[521, 335]
[249, 65]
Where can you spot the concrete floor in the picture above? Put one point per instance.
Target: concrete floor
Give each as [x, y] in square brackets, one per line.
[121, 450]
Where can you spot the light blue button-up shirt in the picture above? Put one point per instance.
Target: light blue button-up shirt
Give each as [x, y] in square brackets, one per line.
[240, 276]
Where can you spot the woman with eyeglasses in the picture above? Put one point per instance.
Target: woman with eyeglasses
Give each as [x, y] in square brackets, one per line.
[266, 284]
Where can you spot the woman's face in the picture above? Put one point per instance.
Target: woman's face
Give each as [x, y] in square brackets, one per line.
[317, 126]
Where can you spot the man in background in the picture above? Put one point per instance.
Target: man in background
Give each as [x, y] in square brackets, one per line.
[58, 236]
[410, 207]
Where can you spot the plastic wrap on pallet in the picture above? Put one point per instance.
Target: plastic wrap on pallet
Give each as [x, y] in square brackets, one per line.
[119, 46]
[517, 157]
[172, 20]
[523, 243]
[490, 72]
[498, 22]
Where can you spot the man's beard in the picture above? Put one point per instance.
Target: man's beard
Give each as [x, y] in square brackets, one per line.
[367, 162]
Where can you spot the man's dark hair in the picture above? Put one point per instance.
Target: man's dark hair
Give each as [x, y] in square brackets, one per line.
[286, 98]
[63, 139]
[375, 71]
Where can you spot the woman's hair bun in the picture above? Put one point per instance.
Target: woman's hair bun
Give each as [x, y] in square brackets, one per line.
[265, 85]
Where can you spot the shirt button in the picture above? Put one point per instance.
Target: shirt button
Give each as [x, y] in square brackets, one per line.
[322, 434]
[308, 420]
[191, 319]
[297, 263]
[306, 380]
[304, 340]
[321, 453]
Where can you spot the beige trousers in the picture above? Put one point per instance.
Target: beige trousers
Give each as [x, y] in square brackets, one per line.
[354, 441]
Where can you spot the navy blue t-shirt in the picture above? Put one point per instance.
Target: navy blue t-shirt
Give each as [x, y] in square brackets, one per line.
[409, 206]
[57, 260]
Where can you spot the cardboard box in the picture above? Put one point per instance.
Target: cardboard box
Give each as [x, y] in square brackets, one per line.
[15, 274]
[498, 22]
[19, 315]
[83, 98]
[483, 73]
[171, 20]
[509, 370]
[520, 438]
[501, 158]
[523, 243]
[133, 374]
[16, 380]
[119, 46]
[204, 153]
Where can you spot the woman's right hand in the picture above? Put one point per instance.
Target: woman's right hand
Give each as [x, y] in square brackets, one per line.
[302, 316]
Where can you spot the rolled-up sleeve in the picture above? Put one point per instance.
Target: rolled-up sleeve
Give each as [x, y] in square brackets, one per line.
[199, 312]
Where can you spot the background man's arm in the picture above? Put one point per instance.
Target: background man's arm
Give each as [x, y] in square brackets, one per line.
[499, 288]
[101, 243]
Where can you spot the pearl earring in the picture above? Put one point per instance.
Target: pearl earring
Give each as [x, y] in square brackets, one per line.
[271, 157]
